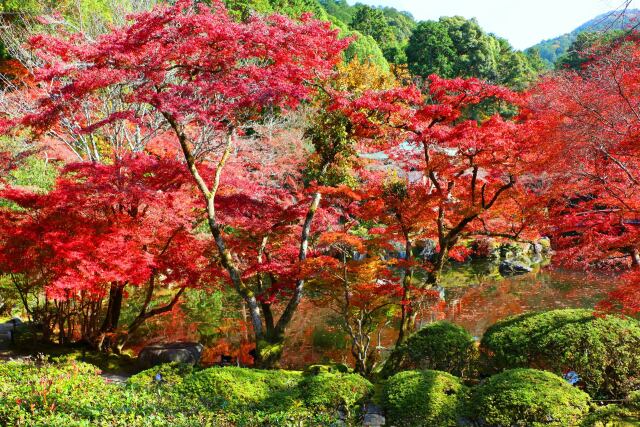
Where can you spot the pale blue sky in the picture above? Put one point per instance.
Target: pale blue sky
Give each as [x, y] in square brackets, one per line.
[522, 22]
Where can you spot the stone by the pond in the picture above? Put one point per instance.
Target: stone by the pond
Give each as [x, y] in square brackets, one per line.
[373, 416]
[513, 268]
[181, 352]
[373, 420]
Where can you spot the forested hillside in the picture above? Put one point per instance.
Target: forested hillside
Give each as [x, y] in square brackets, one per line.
[551, 50]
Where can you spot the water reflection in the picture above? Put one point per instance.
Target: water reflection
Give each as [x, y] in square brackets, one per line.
[476, 297]
[473, 295]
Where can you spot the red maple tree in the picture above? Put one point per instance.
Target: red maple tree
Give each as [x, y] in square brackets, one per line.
[586, 125]
[458, 156]
[101, 230]
[205, 80]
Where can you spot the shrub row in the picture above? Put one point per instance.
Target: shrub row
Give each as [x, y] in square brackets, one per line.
[600, 352]
[519, 397]
[73, 394]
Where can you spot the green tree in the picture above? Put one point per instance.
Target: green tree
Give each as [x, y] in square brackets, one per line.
[475, 50]
[457, 47]
[339, 9]
[295, 8]
[431, 51]
[578, 52]
[242, 8]
[372, 22]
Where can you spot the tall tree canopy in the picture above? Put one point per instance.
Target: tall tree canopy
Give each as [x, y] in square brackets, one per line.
[458, 176]
[457, 47]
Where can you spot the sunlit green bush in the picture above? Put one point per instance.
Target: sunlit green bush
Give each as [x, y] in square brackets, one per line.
[528, 397]
[69, 393]
[440, 346]
[603, 351]
[424, 398]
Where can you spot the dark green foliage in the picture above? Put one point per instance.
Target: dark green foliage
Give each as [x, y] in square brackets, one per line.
[333, 368]
[578, 53]
[457, 47]
[441, 346]
[372, 22]
[339, 9]
[612, 415]
[431, 51]
[634, 399]
[603, 351]
[330, 340]
[389, 27]
[527, 397]
[402, 23]
[424, 398]
[168, 375]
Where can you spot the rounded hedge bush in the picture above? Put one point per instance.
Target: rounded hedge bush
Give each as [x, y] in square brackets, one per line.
[528, 397]
[69, 393]
[440, 346]
[232, 388]
[273, 397]
[424, 398]
[329, 392]
[603, 351]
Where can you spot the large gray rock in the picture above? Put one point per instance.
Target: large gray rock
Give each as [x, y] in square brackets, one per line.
[10, 325]
[181, 352]
[373, 420]
[373, 416]
[510, 267]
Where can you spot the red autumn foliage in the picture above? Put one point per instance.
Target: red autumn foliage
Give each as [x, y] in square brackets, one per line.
[586, 126]
[460, 169]
[193, 70]
[101, 230]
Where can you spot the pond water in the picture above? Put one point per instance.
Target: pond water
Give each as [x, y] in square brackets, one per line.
[475, 296]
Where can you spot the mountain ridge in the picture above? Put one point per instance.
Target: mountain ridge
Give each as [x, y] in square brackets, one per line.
[552, 49]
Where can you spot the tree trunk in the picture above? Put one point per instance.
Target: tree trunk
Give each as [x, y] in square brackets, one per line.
[269, 350]
[105, 341]
[405, 318]
[635, 258]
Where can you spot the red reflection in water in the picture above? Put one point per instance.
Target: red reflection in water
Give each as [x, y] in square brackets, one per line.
[474, 307]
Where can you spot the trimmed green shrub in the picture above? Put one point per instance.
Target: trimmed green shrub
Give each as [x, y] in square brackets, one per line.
[232, 388]
[612, 416]
[528, 397]
[424, 398]
[634, 399]
[274, 396]
[327, 391]
[166, 375]
[440, 346]
[603, 351]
